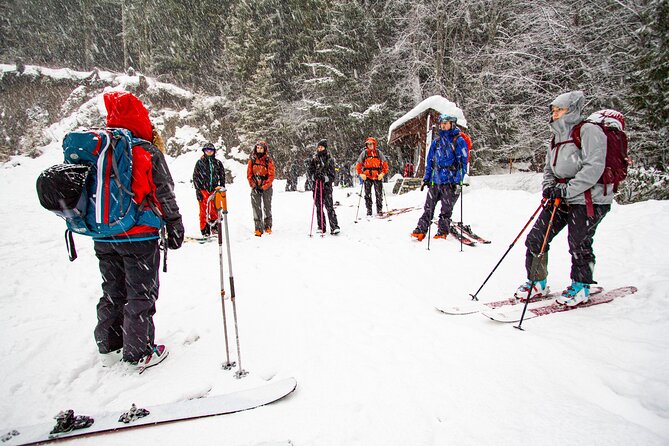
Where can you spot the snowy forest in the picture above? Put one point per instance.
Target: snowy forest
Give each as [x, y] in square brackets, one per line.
[295, 71]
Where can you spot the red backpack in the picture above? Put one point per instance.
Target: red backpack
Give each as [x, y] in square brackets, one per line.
[467, 139]
[617, 161]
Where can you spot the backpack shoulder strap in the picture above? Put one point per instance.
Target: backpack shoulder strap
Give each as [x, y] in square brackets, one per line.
[576, 134]
[575, 137]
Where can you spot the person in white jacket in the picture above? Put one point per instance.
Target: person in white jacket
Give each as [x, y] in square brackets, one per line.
[570, 174]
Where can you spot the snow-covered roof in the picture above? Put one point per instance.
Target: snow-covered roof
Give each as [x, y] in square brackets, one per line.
[438, 103]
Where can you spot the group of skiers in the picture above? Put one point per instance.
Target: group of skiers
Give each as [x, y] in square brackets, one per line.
[570, 176]
[129, 261]
[209, 174]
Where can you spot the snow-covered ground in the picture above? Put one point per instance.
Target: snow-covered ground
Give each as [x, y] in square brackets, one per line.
[351, 317]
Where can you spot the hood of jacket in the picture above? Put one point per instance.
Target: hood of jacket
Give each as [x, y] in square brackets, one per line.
[574, 101]
[255, 154]
[449, 134]
[372, 140]
[124, 110]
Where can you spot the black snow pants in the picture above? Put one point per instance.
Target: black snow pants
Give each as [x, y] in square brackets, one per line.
[581, 231]
[446, 194]
[323, 197]
[378, 190]
[129, 293]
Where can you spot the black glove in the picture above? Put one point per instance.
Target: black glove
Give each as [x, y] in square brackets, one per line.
[425, 183]
[175, 234]
[258, 189]
[557, 191]
[198, 195]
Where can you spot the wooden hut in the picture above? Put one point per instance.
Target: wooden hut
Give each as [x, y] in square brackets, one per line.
[411, 135]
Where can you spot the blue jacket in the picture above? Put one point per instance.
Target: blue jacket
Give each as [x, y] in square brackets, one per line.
[446, 161]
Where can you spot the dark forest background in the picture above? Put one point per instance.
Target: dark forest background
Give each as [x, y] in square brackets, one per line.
[295, 71]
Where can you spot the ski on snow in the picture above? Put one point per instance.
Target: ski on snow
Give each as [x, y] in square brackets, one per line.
[471, 306]
[467, 230]
[81, 425]
[461, 237]
[392, 212]
[513, 314]
[200, 240]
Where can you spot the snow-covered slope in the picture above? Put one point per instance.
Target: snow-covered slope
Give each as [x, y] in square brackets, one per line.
[352, 318]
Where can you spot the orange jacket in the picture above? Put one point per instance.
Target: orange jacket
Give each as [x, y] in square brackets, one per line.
[371, 162]
[260, 169]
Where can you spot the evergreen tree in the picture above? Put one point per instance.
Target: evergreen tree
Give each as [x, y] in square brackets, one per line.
[650, 84]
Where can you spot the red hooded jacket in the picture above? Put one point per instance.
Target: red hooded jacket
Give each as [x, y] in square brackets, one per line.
[151, 178]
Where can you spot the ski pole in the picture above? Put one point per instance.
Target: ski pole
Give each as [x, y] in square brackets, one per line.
[222, 207]
[429, 230]
[385, 198]
[462, 196]
[322, 217]
[474, 296]
[359, 198]
[227, 365]
[537, 260]
[313, 208]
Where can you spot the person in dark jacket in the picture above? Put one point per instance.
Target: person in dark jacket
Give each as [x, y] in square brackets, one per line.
[292, 174]
[129, 262]
[445, 167]
[207, 175]
[322, 168]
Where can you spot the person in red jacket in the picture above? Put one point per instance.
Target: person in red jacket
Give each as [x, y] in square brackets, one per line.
[129, 262]
[372, 165]
[260, 174]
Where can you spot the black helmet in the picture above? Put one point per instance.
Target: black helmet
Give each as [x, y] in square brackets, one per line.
[208, 146]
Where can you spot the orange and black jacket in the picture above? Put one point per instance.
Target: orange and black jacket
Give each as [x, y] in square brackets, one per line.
[260, 171]
[371, 162]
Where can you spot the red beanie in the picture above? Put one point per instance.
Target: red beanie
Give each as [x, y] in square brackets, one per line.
[126, 111]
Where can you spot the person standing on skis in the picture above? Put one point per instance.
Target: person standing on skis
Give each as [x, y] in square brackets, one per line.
[322, 168]
[207, 176]
[445, 167]
[260, 175]
[372, 166]
[571, 175]
[129, 262]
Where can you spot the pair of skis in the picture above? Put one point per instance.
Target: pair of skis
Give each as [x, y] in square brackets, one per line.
[510, 310]
[201, 240]
[464, 234]
[397, 211]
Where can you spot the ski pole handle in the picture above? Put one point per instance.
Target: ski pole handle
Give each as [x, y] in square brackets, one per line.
[221, 200]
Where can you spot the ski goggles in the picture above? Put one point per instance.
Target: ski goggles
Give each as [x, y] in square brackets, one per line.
[447, 118]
